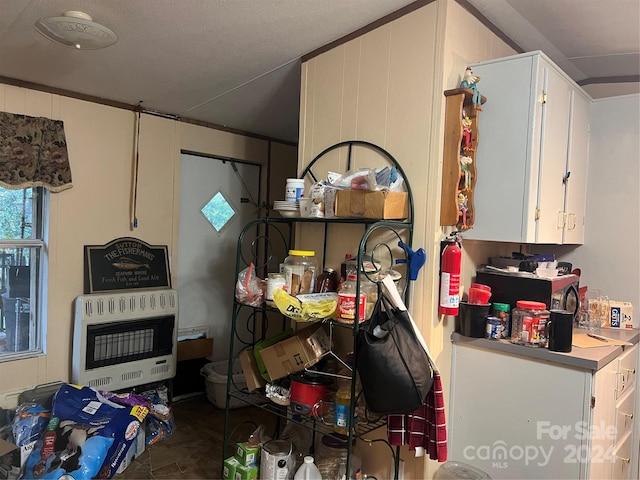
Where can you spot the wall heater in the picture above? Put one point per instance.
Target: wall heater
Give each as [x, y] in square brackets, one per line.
[125, 339]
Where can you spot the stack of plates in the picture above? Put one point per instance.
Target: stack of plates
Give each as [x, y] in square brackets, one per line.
[286, 209]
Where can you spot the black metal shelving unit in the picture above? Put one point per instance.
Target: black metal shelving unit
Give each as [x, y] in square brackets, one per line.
[264, 241]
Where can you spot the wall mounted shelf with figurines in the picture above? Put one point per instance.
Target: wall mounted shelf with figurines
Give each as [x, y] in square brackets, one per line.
[459, 163]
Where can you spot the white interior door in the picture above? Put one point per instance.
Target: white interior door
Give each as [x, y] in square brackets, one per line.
[228, 193]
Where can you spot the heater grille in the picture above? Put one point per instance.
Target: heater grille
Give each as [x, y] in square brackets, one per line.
[125, 339]
[121, 342]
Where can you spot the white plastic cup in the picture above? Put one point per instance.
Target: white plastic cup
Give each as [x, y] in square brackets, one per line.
[305, 206]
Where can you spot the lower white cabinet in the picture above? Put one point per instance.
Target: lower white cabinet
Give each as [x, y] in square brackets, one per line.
[614, 409]
[519, 417]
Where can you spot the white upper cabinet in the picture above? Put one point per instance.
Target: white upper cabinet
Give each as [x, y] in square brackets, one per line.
[532, 153]
[577, 166]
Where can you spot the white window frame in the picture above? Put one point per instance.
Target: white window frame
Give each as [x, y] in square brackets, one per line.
[38, 279]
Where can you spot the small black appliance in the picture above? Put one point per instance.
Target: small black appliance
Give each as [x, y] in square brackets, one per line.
[558, 293]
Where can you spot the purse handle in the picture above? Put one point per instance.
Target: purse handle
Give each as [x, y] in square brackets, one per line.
[389, 288]
[376, 318]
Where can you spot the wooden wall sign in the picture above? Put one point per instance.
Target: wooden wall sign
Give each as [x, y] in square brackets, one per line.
[125, 263]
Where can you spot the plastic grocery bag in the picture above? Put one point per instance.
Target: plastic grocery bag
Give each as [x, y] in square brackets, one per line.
[308, 307]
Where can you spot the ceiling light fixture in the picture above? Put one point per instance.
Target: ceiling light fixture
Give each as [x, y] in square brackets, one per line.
[76, 30]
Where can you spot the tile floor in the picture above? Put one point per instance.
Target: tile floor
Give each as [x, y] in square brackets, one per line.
[194, 449]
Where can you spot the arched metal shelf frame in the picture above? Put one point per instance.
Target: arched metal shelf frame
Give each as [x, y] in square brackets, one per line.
[260, 238]
[349, 145]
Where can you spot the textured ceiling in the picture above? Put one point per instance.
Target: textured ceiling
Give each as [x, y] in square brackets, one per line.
[236, 63]
[228, 62]
[591, 40]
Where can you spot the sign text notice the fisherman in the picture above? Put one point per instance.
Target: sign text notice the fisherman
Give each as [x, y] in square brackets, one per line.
[125, 263]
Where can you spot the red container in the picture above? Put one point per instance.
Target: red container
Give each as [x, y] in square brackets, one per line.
[481, 286]
[479, 296]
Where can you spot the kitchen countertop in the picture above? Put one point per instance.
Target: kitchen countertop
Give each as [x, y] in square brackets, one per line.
[593, 358]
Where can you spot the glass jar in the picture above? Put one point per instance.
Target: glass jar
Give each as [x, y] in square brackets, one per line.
[299, 270]
[275, 281]
[501, 311]
[331, 457]
[349, 265]
[528, 320]
[327, 281]
[370, 289]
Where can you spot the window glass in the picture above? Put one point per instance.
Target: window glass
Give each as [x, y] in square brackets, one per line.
[21, 267]
[218, 211]
[16, 217]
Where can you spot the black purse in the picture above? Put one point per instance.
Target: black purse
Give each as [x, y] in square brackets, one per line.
[394, 368]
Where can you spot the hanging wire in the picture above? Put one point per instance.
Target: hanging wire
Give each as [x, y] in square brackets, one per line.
[244, 184]
[136, 160]
[371, 441]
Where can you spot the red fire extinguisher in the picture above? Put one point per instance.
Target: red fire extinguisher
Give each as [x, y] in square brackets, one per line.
[450, 261]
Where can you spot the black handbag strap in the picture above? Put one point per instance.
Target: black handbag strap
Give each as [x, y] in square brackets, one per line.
[383, 311]
[388, 306]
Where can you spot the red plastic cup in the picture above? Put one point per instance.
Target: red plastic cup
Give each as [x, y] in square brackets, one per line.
[479, 296]
[481, 286]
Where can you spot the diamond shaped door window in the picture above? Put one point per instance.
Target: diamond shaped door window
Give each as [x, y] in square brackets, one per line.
[218, 211]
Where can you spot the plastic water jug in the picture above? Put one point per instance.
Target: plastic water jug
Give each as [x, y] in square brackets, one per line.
[308, 470]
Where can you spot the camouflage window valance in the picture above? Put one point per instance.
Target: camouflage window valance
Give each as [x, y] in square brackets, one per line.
[33, 153]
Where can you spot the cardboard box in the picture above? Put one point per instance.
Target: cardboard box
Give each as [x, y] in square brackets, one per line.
[15, 456]
[10, 457]
[267, 342]
[192, 349]
[365, 204]
[229, 468]
[246, 472]
[250, 371]
[620, 315]
[247, 454]
[302, 350]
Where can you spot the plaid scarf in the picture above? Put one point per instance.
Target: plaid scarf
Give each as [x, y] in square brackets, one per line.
[425, 427]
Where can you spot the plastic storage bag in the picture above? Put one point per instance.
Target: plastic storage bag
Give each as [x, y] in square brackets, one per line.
[249, 288]
[86, 437]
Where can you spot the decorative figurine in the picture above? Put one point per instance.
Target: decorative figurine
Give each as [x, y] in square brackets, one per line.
[464, 166]
[467, 140]
[462, 207]
[469, 81]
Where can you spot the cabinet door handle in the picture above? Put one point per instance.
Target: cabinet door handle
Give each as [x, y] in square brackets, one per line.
[571, 221]
[632, 371]
[624, 459]
[628, 415]
[562, 220]
[619, 382]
